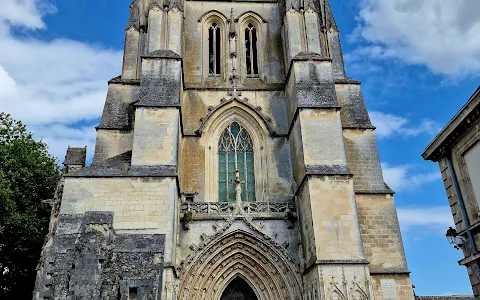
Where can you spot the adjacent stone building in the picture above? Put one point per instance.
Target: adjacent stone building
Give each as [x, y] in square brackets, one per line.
[234, 160]
[457, 151]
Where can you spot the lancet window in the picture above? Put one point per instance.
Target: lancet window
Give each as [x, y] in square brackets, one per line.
[235, 152]
[214, 50]
[251, 58]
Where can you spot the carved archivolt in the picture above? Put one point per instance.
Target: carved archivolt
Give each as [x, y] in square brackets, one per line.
[240, 254]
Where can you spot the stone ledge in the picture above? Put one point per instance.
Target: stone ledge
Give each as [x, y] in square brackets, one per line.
[120, 166]
[327, 170]
[359, 127]
[387, 190]
[126, 129]
[347, 80]
[119, 80]
[386, 271]
[260, 87]
[305, 56]
[253, 216]
[166, 54]
[343, 261]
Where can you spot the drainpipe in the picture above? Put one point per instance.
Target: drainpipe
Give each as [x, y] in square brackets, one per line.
[464, 212]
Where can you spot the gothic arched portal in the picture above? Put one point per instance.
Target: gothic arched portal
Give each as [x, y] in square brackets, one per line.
[238, 289]
[209, 272]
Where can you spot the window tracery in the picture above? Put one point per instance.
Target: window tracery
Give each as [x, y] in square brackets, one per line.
[213, 34]
[235, 152]
[213, 131]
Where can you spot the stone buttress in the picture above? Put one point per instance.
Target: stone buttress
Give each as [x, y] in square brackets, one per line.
[145, 220]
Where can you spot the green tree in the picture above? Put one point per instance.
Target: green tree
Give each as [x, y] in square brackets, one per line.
[28, 175]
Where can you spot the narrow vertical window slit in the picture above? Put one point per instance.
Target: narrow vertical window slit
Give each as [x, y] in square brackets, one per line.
[251, 59]
[214, 50]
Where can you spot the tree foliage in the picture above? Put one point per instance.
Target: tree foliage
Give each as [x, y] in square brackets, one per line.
[28, 175]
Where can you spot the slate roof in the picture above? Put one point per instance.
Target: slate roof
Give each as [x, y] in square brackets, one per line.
[118, 111]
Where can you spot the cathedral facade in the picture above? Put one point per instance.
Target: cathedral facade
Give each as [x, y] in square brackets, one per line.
[234, 160]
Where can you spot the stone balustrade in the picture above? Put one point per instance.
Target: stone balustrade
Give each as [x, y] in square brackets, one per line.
[216, 210]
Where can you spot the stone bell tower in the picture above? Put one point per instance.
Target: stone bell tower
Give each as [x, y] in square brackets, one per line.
[234, 160]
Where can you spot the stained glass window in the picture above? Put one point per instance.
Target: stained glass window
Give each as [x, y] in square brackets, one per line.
[235, 151]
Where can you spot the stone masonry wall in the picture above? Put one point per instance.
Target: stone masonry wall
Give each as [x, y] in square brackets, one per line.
[322, 137]
[156, 136]
[363, 160]
[141, 205]
[335, 220]
[451, 194]
[88, 260]
[110, 143]
[402, 286]
[381, 233]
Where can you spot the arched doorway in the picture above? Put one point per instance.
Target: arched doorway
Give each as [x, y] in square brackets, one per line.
[238, 289]
[210, 271]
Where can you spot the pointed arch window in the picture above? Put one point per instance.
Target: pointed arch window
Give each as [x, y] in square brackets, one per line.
[251, 58]
[214, 50]
[235, 151]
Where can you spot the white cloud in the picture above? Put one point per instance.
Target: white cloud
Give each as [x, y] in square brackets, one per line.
[26, 13]
[51, 85]
[404, 177]
[442, 35]
[389, 125]
[59, 137]
[436, 218]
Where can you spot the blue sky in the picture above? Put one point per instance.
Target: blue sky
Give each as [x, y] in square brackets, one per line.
[419, 61]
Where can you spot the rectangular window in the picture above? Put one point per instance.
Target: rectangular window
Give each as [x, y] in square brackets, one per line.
[214, 50]
[217, 52]
[211, 57]
[472, 160]
[132, 293]
[254, 52]
[251, 59]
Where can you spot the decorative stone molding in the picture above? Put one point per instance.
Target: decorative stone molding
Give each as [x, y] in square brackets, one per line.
[213, 128]
[239, 254]
[238, 101]
[221, 210]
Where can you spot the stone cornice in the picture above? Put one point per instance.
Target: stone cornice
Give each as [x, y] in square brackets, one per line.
[119, 80]
[459, 124]
[120, 166]
[165, 54]
[381, 270]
